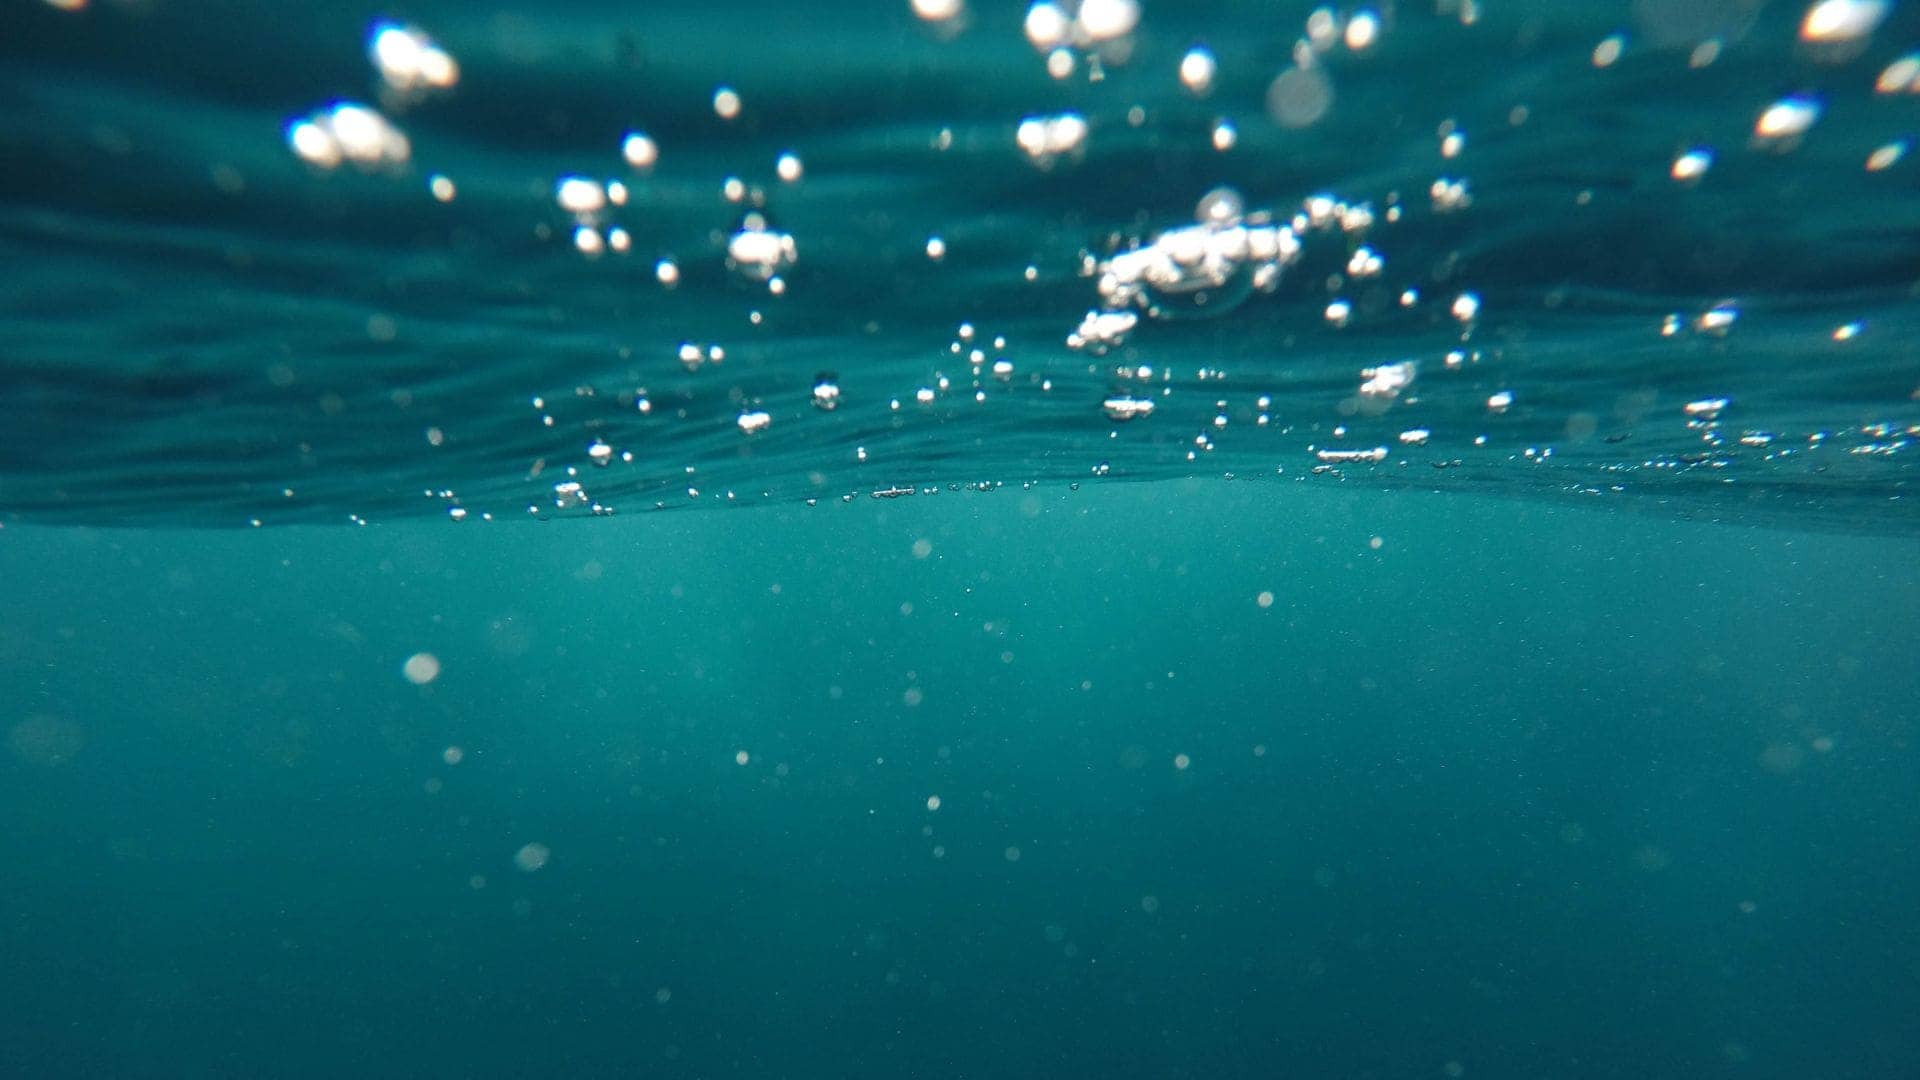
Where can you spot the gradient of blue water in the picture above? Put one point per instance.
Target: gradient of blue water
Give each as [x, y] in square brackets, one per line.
[1589, 764]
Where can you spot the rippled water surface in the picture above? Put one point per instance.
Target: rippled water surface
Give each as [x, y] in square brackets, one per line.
[1686, 235]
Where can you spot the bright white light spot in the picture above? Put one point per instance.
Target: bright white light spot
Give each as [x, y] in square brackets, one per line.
[1045, 138]
[441, 187]
[1363, 29]
[314, 144]
[760, 253]
[1692, 165]
[1609, 50]
[1181, 762]
[348, 132]
[788, 167]
[667, 273]
[1224, 136]
[1197, 69]
[579, 195]
[933, 802]
[753, 423]
[640, 151]
[936, 248]
[1842, 20]
[587, 239]
[1047, 27]
[938, 11]
[1466, 306]
[408, 59]
[1264, 598]
[726, 103]
[1105, 20]
[1786, 118]
[742, 758]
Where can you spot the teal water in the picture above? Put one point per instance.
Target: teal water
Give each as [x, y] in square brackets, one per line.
[459, 622]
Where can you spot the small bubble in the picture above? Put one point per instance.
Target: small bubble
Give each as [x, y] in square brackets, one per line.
[640, 151]
[532, 857]
[1197, 70]
[421, 668]
[453, 755]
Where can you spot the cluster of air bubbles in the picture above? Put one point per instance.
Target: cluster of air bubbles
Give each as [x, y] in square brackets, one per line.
[759, 252]
[1121, 407]
[1387, 382]
[1046, 139]
[587, 199]
[1100, 30]
[692, 356]
[1205, 267]
[1448, 195]
[409, 62]
[349, 133]
[1102, 330]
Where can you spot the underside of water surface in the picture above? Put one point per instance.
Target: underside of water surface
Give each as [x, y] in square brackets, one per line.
[263, 266]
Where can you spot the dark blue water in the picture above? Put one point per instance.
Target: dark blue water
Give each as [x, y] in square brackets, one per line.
[1470, 635]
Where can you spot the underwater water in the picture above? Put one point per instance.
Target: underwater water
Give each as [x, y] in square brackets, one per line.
[1210, 539]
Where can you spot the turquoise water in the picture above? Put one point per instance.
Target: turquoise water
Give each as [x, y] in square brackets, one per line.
[1490, 655]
